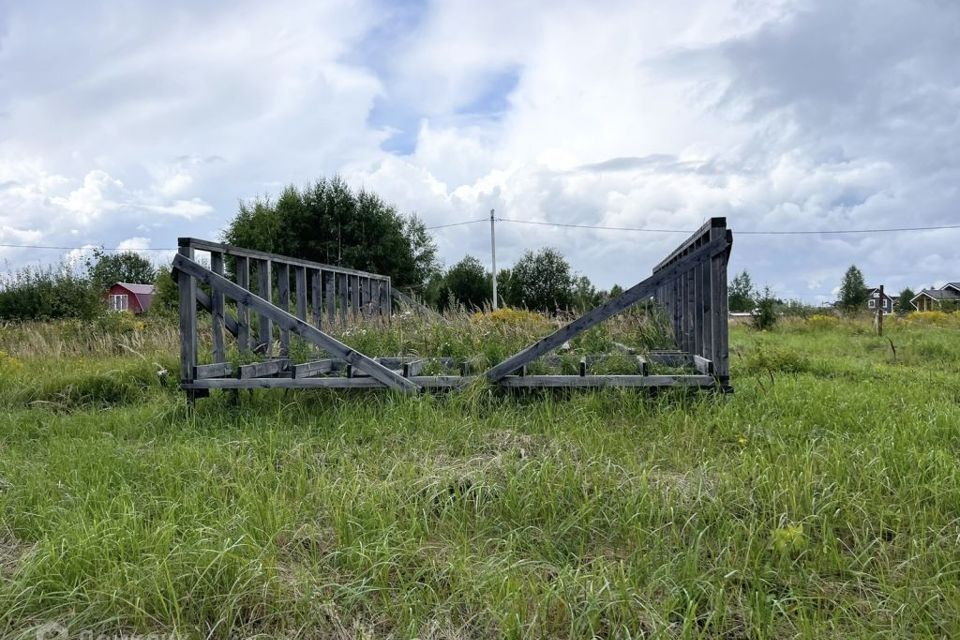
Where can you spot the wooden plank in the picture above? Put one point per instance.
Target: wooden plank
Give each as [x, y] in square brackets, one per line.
[264, 328]
[583, 366]
[685, 246]
[532, 382]
[265, 368]
[283, 296]
[215, 370]
[217, 311]
[301, 328]
[610, 308]
[233, 250]
[355, 295]
[425, 382]
[187, 286]
[343, 295]
[243, 314]
[300, 280]
[706, 346]
[316, 298]
[330, 289]
[702, 365]
[316, 367]
[413, 368]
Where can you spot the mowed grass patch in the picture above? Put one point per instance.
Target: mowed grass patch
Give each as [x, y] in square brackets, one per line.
[819, 500]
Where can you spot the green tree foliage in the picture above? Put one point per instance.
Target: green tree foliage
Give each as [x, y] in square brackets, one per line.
[541, 281]
[585, 295]
[853, 290]
[765, 311]
[108, 269]
[166, 298]
[38, 294]
[330, 223]
[467, 284]
[903, 302]
[741, 294]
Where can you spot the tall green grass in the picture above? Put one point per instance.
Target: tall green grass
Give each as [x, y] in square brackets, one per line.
[821, 499]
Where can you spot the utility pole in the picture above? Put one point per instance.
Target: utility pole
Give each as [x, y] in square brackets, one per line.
[493, 259]
[880, 304]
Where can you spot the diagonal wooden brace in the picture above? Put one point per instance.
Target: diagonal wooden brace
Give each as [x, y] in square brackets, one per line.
[608, 309]
[287, 321]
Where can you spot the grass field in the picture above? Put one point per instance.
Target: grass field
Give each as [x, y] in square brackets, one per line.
[821, 500]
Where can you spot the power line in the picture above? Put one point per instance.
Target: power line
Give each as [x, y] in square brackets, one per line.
[91, 248]
[566, 225]
[737, 231]
[457, 224]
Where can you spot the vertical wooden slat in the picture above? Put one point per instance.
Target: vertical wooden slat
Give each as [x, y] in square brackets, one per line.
[187, 286]
[283, 293]
[265, 326]
[216, 309]
[355, 295]
[316, 298]
[243, 314]
[301, 292]
[706, 344]
[718, 303]
[388, 297]
[690, 311]
[342, 294]
[330, 289]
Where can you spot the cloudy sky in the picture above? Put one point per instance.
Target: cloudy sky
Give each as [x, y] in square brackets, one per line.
[127, 124]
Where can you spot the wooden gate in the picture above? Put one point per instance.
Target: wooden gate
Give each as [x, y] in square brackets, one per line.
[690, 285]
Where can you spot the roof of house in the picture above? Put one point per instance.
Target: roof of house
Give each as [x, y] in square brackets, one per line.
[938, 294]
[138, 289]
[955, 285]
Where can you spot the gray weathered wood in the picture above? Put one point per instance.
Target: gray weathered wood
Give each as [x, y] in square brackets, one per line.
[300, 279]
[188, 319]
[354, 295]
[606, 381]
[412, 368]
[343, 297]
[233, 250]
[217, 311]
[316, 298]
[336, 382]
[702, 365]
[316, 367]
[612, 307]
[330, 290]
[265, 368]
[294, 324]
[283, 296]
[214, 370]
[265, 328]
[243, 314]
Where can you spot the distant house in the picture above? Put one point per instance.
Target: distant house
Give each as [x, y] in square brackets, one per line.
[936, 299]
[128, 296]
[889, 303]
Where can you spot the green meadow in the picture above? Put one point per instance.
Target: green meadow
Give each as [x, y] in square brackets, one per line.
[820, 500]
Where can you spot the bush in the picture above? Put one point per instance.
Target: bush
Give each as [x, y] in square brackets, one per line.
[764, 315]
[39, 294]
[933, 318]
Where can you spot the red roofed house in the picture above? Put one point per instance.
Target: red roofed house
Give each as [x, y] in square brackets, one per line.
[127, 296]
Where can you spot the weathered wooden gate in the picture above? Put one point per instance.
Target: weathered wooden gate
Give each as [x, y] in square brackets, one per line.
[690, 285]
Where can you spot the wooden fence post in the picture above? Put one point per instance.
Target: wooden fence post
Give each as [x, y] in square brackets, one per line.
[243, 314]
[216, 311]
[265, 326]
[187, 286]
